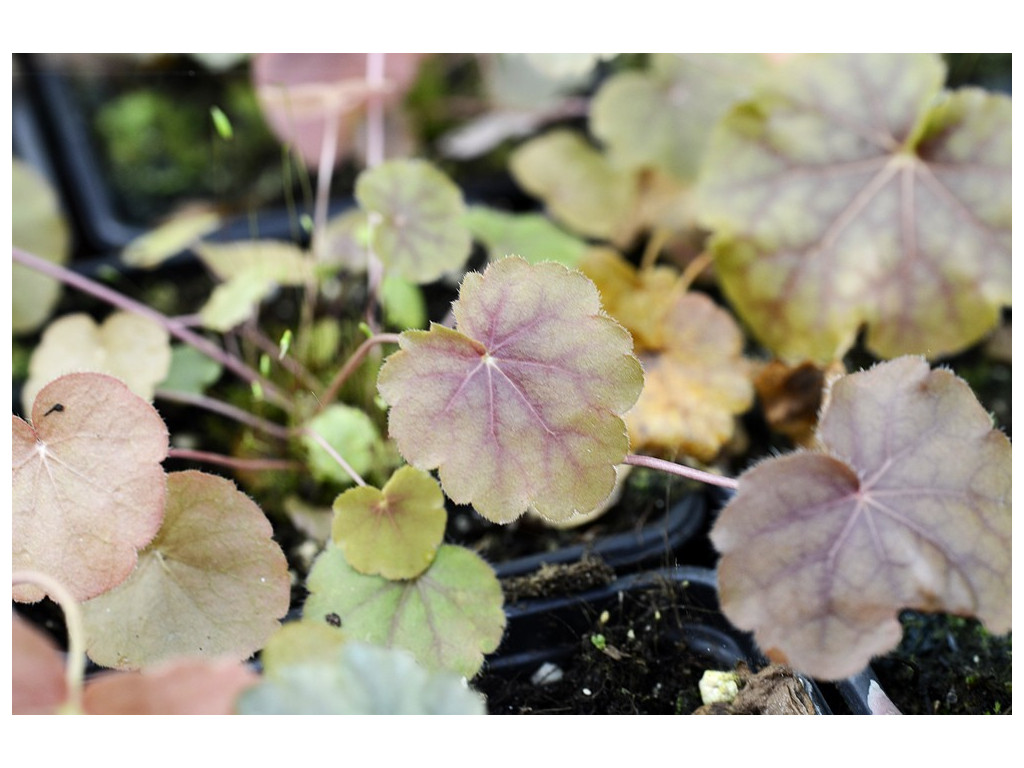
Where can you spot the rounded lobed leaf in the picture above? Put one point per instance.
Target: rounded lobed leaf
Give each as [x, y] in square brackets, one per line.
[420, 234]
[522, 404]
[133, 348]
[88, 489]
[212, 583]
[448, 617]
[852, 191]
[394, 532]
[909, 508]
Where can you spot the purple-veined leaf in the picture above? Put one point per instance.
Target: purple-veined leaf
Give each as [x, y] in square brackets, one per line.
[853, 191]
[907, 505]
[522, 404]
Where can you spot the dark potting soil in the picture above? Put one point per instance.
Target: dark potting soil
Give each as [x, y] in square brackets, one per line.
[947, 665]
[634, 659]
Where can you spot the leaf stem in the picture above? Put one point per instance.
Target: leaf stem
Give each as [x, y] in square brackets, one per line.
[75, 669]
[179, 331]
[350, 365]
[244, 465]
[225, 409]
[322, 442]
[679, 469]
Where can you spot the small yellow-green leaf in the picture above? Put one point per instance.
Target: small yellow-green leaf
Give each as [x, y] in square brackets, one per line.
[39, 227]
[275, 261]
[403, 303]
[351, 433]
[191, 371]
[419, 233]
[578, 185]
[235, 301]
[170, 238]
[448, 617]
[212, 583]
[393, 532]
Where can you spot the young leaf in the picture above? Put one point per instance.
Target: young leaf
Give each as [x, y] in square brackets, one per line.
[214, 570]
[578, 184]
[300, 642]
[853, 191]
[39, 227]
[520, 405]
[394, 532]
[170, 238]
[133, 348]
[250, 270]
[88, 489]
[361, 679]
[352, 434]
[448, 617]
[180, 687]
[420, 235]
[907, 507]
[191, 371]
[530, 235]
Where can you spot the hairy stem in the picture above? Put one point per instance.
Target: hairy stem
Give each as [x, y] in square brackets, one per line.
[352, 363]
[322, 442]
[180, 332]
[225, 409]
[679, 469]
[243, 465]
[75, 669]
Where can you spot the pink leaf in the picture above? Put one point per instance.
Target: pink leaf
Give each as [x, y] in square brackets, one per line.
[88, 487]
[522, 404]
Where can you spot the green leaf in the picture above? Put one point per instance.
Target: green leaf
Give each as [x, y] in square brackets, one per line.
[87, 487]
[170, 238]
[853, 191]
[393, 532]
[906, 506]
[522, 404]
[361, 680]
[530, 235]
[662, 118]
[191, 371]
[352, 434]
[39, 227]
[214, 571]
[235, 301]
[418, 234]
[277, 262]
[133, 348]
[403, 303]
[448, 617]
[579, 186]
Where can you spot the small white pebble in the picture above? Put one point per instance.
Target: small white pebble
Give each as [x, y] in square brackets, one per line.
[586, 691]
[546, 673]
[605, 616]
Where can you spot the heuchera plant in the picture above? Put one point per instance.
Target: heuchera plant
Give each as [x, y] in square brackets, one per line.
[544, 381]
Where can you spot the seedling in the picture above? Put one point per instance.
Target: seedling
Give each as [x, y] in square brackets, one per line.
[536, 391]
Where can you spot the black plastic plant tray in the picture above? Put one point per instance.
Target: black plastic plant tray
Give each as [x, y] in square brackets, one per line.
[551, 630]
[643, 546]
